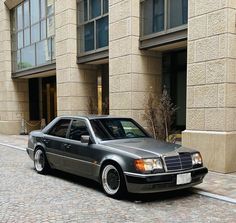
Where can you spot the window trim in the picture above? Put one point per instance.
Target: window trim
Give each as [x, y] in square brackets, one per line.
[93, 56]
[12, 4]
[14, 37]
[97, 53]
[35, 70]
[167, 36]
[165, 32]
[164, 39]
[166, 22]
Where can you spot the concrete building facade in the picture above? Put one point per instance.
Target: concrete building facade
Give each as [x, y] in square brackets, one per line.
[77, 57]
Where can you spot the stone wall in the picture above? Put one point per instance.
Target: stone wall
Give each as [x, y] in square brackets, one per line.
[75, 84]
[133, 73]
[211, 82]
[13, 93]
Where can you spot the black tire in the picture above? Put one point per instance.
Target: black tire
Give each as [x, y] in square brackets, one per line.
[40, 161]
[112, 181]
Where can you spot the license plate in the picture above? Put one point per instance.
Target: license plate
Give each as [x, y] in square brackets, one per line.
[183, 178]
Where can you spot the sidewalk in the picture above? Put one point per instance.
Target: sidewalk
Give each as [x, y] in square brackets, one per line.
[214, 183]
[14, 140]
[220, 184]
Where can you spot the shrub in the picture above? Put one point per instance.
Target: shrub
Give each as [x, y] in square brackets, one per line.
[159, 116]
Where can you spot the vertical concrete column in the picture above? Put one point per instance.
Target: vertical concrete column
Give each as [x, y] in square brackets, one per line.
[75, 84]
[13, 93]
[211, 83]
[133, 73]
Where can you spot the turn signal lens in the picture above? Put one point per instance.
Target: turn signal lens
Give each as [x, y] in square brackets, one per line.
[139, 165]
[148, 165]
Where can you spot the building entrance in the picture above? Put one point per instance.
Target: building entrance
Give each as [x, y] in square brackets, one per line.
[103, 90]
[174, 77]
[42, 99]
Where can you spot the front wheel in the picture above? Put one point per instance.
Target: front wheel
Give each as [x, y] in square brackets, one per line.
[40, 162]
[113, 182]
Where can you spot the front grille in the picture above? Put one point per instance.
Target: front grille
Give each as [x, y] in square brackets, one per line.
[186, 161]
[173, 163]
[181, 162]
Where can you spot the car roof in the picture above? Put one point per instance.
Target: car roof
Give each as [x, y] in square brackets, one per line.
[90, 117]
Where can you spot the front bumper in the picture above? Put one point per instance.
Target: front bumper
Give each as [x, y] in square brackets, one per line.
[143, 183]
[30, 152]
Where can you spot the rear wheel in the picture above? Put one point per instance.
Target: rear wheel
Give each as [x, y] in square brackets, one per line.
[113, 182]
[40, 162]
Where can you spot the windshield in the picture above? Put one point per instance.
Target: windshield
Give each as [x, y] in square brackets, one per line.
[114, 128]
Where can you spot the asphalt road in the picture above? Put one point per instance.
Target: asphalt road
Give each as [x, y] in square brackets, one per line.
[26, 196]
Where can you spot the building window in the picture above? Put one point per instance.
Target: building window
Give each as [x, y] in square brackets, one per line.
[33, 31]
[95, 7]
[93, 26]
[163, 15]
[158, 15]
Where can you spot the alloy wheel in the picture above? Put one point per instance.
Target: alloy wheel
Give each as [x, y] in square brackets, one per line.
[110, 179]
[39, 160]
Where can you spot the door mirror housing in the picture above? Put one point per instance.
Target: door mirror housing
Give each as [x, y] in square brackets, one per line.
[85, 139]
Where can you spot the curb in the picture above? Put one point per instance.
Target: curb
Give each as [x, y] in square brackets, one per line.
[12, 146]
[214, 196]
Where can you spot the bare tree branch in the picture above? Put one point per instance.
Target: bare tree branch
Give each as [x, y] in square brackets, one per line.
[159, 116]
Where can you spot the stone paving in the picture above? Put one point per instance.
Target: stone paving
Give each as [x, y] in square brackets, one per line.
[216, 183]
[15, 140]
[26, 196]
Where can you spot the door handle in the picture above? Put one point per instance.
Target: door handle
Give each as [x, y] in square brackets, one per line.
[46, 141]
[67, 146]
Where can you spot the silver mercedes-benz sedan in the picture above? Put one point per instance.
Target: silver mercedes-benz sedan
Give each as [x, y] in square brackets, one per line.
[116, 152]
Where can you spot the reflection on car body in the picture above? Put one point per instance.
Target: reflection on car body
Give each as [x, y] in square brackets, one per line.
[116, 152]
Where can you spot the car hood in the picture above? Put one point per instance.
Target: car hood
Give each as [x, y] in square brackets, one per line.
[146, 147]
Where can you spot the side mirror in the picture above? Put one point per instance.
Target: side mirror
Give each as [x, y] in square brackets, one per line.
[85, 139]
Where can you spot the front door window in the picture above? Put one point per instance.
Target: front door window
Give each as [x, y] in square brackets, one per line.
[60, 128]
[78, 128]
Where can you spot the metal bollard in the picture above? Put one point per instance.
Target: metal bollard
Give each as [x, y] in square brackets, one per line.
[43, 123]
[23, 130]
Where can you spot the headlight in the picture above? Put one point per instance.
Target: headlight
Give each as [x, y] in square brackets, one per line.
[196, 159]
[148, 165]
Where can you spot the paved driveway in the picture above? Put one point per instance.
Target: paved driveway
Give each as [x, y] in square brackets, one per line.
[26, 196]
